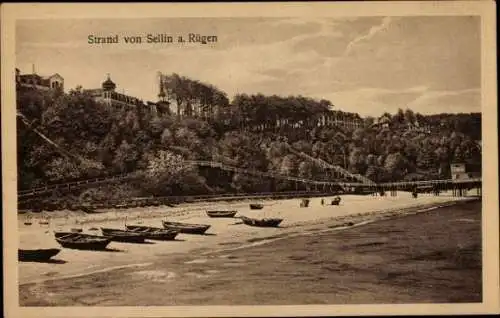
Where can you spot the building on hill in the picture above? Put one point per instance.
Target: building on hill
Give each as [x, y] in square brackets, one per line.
[417, 127]
[35, 81]
[384, 121]
[465, 170]
[108, 96]
[346, 120]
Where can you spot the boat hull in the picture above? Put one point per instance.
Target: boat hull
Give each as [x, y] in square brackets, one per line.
[150, 233]
[261, 222]
[123, 236]
[221, 214]
[37, 255]
[186, 228]
[256, 206]
[95, 246]
[81, 241]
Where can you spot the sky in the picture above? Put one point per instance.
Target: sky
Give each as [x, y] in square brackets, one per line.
[368, 65]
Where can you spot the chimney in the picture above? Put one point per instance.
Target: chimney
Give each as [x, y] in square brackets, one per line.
[33, 68]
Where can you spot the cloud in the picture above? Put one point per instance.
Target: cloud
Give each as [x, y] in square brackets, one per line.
[371, 33]
[375, 101]
[465, 101]
[425, 62]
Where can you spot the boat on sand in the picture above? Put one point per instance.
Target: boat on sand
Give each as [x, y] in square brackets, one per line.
[221, 214]
[123, 236]
[37, 255]
[153, 233]
[256, 206]
[265, 222]
[186, 228]
[81, 241]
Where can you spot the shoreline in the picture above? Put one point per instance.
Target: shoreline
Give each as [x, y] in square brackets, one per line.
[153, 211]
[335, 254]
[225, 235]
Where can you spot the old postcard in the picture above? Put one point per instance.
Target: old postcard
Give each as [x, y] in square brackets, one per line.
[271, 159]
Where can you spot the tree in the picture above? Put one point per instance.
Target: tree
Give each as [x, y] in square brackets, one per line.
[167, 137]
[289, 165]
[126, 157]
[396, 165]
[357, 160]
[168, 173]
[409, 116]
[306, 170]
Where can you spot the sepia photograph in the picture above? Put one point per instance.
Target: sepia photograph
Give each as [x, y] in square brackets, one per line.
[249, 159]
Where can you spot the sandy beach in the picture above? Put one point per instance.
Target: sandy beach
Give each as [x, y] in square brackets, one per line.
[223, 233]
[367, 250]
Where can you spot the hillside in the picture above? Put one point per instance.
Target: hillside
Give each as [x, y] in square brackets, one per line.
[251, 132]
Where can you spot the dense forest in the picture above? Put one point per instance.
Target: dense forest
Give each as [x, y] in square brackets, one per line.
[101, 141]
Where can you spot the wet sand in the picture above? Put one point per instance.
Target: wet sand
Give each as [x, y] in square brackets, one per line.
[114, 277]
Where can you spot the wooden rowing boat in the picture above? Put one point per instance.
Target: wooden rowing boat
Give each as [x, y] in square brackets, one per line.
[153, 233]
[221, 214]
[256, 206]
[123, 236]
[266, 222]
[186, 228]
[37, 255]
[81, 241]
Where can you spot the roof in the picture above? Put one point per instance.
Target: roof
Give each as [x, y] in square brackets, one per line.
[55, 75]
[31, 76]
[108, 84]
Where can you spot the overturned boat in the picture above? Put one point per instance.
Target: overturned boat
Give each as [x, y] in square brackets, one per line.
[186, 228]
[118, 235]
[266, 222]
[153, 233]
[221, 214]
[37, 255]
[81, 241]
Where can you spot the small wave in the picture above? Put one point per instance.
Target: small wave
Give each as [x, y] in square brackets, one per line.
[466, 220]
[197, 275]
[102, 270]
[197, 261]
